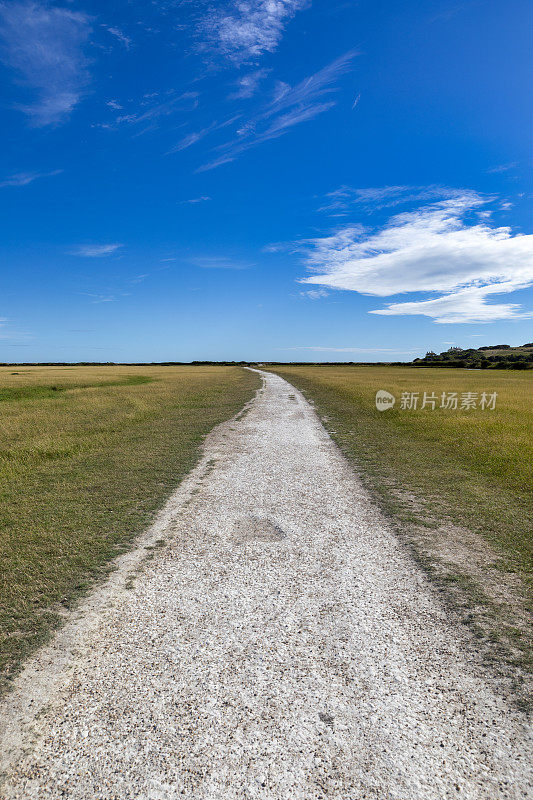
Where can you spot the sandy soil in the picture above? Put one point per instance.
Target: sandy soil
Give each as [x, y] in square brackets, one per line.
[279, 644]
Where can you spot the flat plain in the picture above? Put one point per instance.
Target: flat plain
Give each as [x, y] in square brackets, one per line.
[278, 643]
[87, 455]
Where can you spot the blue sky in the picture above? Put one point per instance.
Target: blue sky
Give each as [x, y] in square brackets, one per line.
[264, 179]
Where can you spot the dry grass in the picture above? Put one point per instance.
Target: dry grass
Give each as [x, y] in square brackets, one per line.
[445, 476]
[87, 454]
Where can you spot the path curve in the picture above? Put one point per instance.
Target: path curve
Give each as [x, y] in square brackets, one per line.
[280, 645]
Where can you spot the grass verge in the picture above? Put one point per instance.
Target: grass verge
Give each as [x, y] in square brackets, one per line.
[87, 455]
[458, 483]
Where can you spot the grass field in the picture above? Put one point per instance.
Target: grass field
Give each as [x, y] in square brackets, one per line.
[87, 454]
[448, 472]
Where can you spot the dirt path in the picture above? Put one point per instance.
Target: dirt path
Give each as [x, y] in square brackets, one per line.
[280, 645]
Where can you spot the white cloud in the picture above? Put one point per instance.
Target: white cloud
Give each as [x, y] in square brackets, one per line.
[190, 139]
[25, 178]
[196, 200]
[502, 168]
[242, 30]
[44, 45]
[95, 250]
[247, 85]
[118, 34]
[442, 248]
[467, 305]
[315, 294]
[195, 136]
[277, 247]
[151, 110]
[289, 106]
[341, 201]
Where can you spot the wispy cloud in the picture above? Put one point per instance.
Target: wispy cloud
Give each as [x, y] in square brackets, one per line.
[25, 178]
[242, 30]
[502, 168]
[13, 338]
[195, 136]
[196, 200]
[219, 262]
[247, 85]
[289, 106]
[342, 201]
[118, 34]
[315, 294]
[95, 250]
[190, 139]
[101, 298]
[119, 287]
[441, 248]
[44, 46]
[151, 109]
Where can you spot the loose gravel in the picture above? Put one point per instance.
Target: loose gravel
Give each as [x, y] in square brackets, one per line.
[279, 644]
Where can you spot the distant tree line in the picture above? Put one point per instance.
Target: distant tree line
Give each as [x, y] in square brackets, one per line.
[481, 358]
[123, 363]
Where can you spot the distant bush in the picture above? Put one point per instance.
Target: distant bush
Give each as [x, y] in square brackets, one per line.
[480, 358]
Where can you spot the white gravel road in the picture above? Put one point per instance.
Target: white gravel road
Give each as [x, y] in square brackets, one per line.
[280, 645]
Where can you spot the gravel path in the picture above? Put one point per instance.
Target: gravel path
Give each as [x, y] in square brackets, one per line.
[279, 645]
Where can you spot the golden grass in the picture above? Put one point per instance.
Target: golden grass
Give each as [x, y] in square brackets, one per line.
[87, 454]
[472, 467]
[450, 481]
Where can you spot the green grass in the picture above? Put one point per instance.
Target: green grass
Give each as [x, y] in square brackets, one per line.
[87, 455]
[440, 470]
[39, 392]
